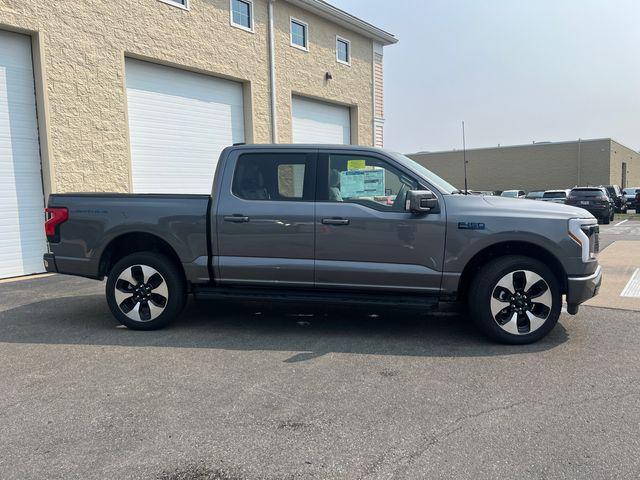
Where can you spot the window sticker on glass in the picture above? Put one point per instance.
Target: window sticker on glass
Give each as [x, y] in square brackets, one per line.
[362, 183]
[356, 164]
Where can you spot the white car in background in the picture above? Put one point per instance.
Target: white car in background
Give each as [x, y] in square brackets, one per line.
[513, 193]
[556, 196]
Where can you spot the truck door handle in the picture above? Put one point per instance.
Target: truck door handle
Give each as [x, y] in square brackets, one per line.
[335, 221]
[236, 218]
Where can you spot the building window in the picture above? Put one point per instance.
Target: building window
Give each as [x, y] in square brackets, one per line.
[343, 50]
[242, 14]
[177, 3]
[299, 34]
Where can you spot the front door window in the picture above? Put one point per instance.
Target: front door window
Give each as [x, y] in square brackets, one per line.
[367, 181]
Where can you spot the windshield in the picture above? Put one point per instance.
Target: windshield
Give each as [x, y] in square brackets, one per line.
[428, 175]
[630, 191]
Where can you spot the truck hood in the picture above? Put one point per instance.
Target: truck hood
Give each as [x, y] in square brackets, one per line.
[534, 208]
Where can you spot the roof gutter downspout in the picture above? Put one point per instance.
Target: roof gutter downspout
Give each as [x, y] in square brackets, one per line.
[272, 75]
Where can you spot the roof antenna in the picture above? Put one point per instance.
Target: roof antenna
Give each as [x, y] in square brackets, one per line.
[464, 157]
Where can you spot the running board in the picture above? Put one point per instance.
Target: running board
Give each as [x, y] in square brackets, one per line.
[422, 301]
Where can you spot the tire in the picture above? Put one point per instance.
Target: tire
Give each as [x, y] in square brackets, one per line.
[606, 219]
[613, 215]
[145, 291]
[522, 320]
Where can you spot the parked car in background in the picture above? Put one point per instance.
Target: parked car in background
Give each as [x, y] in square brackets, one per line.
[595, 200]
[618, 197]
[537, 195]
[632, 197]
[480, 192]
[513, 194]
[556, 196]
[253, 238]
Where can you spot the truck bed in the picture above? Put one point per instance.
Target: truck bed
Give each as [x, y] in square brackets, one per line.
[97, 221]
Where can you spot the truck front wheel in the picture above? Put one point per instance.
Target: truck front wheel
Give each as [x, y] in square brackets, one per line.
[515, 300]
[145, 291]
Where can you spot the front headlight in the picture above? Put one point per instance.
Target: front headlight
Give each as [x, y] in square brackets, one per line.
[584, 231]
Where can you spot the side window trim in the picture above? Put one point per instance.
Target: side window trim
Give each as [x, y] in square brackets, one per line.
[311, 173]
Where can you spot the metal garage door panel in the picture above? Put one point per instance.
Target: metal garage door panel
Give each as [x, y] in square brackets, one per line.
[320, 122]
[179, 122]
[22, 240]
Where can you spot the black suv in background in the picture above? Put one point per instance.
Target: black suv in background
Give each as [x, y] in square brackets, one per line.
[595, 200]
[617, 195]
[633, 198]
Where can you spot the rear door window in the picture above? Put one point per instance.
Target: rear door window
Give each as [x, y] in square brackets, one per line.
[275, 177]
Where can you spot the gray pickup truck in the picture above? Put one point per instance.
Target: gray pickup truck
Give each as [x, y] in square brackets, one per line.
[311, 223]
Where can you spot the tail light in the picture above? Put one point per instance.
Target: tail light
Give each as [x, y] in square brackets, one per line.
[55, 216]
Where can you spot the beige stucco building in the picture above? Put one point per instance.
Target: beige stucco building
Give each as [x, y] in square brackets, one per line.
[79, 66]
[141, 96]
[539, 166]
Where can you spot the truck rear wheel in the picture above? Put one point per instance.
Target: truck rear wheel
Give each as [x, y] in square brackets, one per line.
[515, 300]
[145, 291]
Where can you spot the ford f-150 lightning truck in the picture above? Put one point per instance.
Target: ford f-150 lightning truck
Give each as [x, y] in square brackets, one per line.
[329, 224]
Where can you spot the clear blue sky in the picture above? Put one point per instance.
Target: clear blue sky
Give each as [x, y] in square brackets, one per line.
[516, 71]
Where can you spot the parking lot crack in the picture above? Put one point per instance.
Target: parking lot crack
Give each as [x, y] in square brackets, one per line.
[428, 441]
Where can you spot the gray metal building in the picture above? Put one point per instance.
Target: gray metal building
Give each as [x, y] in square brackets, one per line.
[538, 166]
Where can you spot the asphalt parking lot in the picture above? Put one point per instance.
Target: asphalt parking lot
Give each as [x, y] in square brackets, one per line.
[619, 230]
[248, 392]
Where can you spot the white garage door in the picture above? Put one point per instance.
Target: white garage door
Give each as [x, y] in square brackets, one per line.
[179, 122]
[320, 122]
[22, 240]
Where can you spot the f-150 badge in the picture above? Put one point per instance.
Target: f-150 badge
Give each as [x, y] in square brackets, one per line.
[470, 226]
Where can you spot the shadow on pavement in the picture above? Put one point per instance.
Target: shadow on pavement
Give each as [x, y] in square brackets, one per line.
[311, 331]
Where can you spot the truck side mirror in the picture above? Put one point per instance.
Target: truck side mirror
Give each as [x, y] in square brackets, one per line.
[421, 201]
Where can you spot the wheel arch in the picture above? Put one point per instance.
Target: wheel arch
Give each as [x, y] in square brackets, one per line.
[502, 249]
[136, 242]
